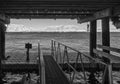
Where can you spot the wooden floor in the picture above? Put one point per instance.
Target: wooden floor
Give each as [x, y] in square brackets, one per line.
[53, 73]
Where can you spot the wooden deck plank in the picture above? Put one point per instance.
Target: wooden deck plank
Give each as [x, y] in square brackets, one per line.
[53, 73]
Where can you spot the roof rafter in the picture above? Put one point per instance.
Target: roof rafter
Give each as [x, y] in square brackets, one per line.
[109, 12]
[59, 8]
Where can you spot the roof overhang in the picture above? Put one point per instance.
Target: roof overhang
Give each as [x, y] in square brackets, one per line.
[70, 9]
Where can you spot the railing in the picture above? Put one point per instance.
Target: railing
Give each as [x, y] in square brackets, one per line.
[60, 51]
[41, 66]
[109, 59]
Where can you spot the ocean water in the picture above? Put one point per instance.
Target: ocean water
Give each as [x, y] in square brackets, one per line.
[15, 43]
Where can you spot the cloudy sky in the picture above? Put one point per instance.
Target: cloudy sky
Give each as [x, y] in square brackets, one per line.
[52, 24]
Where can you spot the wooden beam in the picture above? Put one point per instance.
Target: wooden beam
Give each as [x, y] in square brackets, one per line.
[103, 13]
[4, 18]
[113, 58]
[116, 11]
[97, 15]
[105, 33]
[2, 47]
[92, 36]
[109, 48]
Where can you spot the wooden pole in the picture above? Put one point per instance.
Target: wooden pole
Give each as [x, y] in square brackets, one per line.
[27, 52]
[3, 41]
[92, 46]
[2, 47]
[105, 33]
[107, 78]
[92, 36]
[105, 36]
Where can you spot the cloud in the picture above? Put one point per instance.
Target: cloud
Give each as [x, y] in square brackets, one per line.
[57, 28]
[18, 28]
[64, 28]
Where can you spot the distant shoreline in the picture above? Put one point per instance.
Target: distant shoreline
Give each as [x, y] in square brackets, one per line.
[56, 32]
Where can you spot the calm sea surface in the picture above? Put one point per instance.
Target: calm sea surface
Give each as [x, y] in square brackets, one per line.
[15, 42]
[15, 45]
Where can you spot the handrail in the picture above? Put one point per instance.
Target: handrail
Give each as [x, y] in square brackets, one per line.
[41, 64]
[107, 55]
[56, 50]
[109, 48]
[86, 55]
[109, 58]
[66, 45]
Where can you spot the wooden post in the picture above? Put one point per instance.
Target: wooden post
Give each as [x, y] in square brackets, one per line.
[105, 33]
[92, 46]
[3, 20]
[107, 78]
[27, 53]
[92, 36]
[28, 46]
[2, 41]
[52, 50]
[2, 46]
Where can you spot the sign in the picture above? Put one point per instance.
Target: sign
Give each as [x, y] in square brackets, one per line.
[28, 45]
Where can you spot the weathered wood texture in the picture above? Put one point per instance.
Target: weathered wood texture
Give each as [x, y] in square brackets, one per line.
[92, 36]
[105, 33]
[54, 74]
[54, 8]
[109, 48]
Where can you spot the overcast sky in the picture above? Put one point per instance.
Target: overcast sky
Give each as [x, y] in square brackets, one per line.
[41, 24]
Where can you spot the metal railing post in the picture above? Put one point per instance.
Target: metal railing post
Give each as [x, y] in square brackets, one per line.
[52, 50]
[41, 66]
[59, 49]
[85, 79]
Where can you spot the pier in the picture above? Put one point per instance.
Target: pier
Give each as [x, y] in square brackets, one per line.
[50, 67]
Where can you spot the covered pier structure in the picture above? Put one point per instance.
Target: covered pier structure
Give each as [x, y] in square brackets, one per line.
[82, 10]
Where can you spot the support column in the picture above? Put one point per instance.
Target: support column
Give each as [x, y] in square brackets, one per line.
[107, 78]
[105, 33]
[2, 46]
[3, 20]
[2, 41]
[93, 40]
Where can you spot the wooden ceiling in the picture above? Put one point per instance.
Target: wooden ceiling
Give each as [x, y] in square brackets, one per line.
[54, 8]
